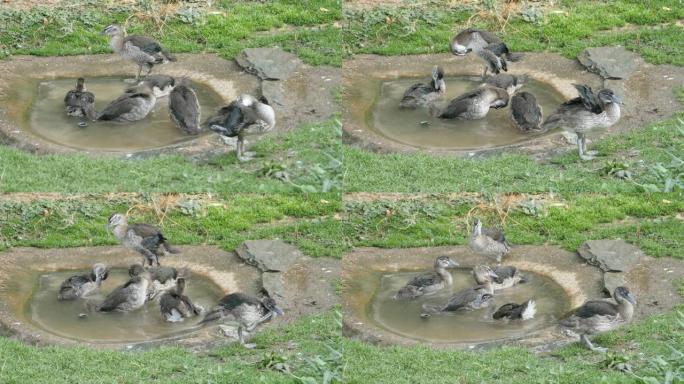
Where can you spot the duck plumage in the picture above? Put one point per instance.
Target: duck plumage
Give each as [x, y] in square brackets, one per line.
[428, 283]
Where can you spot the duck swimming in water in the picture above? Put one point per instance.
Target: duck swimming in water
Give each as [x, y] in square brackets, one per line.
[511, 83]
[145, 239]
[488, 242]
[161, 279]
[135, 104]
[422, 94]
[472, 105]
[597, 316]
[513, 311]
[585, 113]
[429, 283]
[130, 296]
[175, 306]
[244, 116]
[526, 113]
[79, 102]
[83, 285]
[246, 310]
[468, 299]
[500, 277]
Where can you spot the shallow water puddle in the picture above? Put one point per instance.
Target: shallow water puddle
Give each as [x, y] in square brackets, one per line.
[403, 317]
[48, 120]
[417, 128]
[61, 317]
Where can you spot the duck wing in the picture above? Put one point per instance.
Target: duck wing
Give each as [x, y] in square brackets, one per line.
[462, 299]
[494, 234]
[229, 121]
[184, 107]
[596, 307]
[121, 105]
[115, 298]
[510, 310]
[524, 108]
[73, 282]
[588, 98]
[504, 273]
[461, 104]
[425, 279]
[163, 274]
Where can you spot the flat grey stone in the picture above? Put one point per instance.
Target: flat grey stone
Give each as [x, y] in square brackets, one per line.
[268, 255]
[612, 280]
[268, 63]
[273, 283]
[274, 93]
[609, 62]
[610, 255]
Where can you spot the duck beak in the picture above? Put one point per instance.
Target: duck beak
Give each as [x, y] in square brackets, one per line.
[616, 99]
[493, 274]
[453, 264]
[278, 311]
[631, 298]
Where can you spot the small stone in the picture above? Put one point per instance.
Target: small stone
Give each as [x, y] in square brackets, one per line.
[268, 63]
[609, 62]
[268, 255]
[610, 255]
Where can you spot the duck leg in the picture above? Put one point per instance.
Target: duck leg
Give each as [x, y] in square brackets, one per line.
[581, 145]
[242, 156]
[241, 337]
[587, 343]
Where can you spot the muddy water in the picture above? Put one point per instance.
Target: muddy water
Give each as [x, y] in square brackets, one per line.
[403, 317]
[48, 120]
[417, 128]
[61, 317]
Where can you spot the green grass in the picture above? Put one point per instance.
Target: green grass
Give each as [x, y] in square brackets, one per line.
[74, 26]
[307, 158]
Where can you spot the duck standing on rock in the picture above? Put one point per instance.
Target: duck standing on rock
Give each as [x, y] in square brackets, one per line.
[135, 104]
[422, 94]
[596, 316]
[513, 311]
[130, 296]
[472, 105]
[585, 113]
[526, 113]
[83, 285]
[175, 306]
[429, 283]
[488, 242]
[184, 108]
[78, 102]
[244, 116]
[246, 310]
[142, 50]
[145, 239]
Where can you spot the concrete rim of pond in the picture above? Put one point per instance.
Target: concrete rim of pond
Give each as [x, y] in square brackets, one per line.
[647, 93]
[580, 281]
[309, 97]
[19, 267]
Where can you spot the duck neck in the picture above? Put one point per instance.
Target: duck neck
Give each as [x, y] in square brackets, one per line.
[626, 310]
[488, 287]
[119, 231]
[116, 42]
[613, 112]
[445, 275]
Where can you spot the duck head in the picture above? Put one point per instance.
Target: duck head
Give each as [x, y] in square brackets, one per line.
[115, 220]
[484, 274]
[438, 79]
[607, 96]
[112, 30]
[444, 262]
[270, 304]
[135, 270]
[500, 98]
[483, 300]
[100, 272]
[477, 227]
[622, 294]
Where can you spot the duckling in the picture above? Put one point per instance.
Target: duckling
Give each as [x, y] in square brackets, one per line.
[468, 299]
[429, 283]
[145, 239]
[130, 296]
[184, 108]
[161, 279]
[511, 83]
[161, 85]
[422, 94]
[596, 316]
[513, 311]
[78, 102]
[83, 285]
[246, 310]
[473, 39]
[485, 276]
[245, 115]
[493, 57]
[142, 50]
[526, 113]
[488, 242]
[584, 113]
[175, 306]
[135, 104]
[473, 105]
[506, 277]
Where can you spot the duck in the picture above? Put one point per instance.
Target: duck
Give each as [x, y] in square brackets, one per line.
[161, 85]
[585, 113]
[145, 239]
[513, 311]
[429, 283]
[244, 116]
[248, 311]
[422, 94]
[142, 50]
[175, 306]
[526, 113]
[161, 279]
[129, 296]
[78, 102]
[135, 104]
[595, 316]
[500, 277]
[511, 83]
[468, 299]
[488, 242]
[474, 39]
[184, 108]
[473, 105]
[494, 59]
[83, 285]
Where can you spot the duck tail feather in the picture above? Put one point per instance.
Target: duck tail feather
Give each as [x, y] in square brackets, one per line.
[169, 248]
[514, 56]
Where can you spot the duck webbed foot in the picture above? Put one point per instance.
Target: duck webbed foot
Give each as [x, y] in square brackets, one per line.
[587, 343]
[243, 156]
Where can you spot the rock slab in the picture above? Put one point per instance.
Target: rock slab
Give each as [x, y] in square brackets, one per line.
[609, 62]
[268, 255]
[273, 283]
[268, 63]
[612, 280]
[610, 255]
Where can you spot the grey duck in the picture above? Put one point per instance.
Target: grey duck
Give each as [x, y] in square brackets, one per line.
[83, 285]
[429, 283]
[526, 113]
[472, 105]
[142, 50]
[184, 108]
[145, 239]
[78, 102]
[422, 94]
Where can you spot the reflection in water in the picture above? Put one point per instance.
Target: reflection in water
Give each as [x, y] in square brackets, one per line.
[403, 317]
[61, 317]
[48, 120]
[417, 128]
